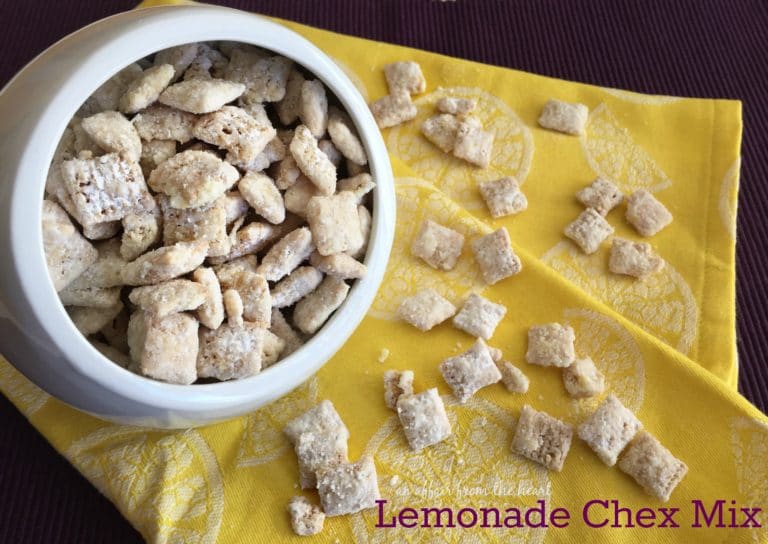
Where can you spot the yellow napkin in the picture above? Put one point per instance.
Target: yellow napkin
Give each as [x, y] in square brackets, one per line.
[666, 346]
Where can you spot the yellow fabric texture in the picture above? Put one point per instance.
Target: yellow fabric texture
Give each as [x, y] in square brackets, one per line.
[665, 345]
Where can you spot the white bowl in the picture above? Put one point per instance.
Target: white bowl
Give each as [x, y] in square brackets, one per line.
[36, 334]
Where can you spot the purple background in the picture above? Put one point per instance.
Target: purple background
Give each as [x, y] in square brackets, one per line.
[706, 48]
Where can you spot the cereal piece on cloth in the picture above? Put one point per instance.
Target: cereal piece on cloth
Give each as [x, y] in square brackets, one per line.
[108, 95]
[633, 258]
[393, 109]
[313, 311]
[319, 438]
[230, 352]
[423, 419]
[141, 231]
[313, 107]
[602, 196]
[92, 320]
[348, 487]
[233, 307]
[589, 230]
[288, 108]
[609, 429]
[165, 348]
[106, 188]
[441, 131]
[306, 518]
[283, 330]
[646, 213]
[652, 466]
[469, 372]
[165, 263]
[405, 76]
[169, 297]
[67, 253]
[249, 239]
[263, 195]
[512, 377]
[473, 144]
[359, 185]
[287, 254]
[159, 122]
[339, 265]
[179, 57]
[542, 438]
[438, 246]
[365, 229]
[296, 286]
[456, 106]
[503, 196]
[155, 152]
[334, 223]
[425, 309]
[90, 297]
[479, 317]
[272, 349]
[312, 161]
[551, 345]
[254, 291]
[582, 379]
[235, 130]
[344, 137]
[495, 256]
[207, 223]
[145, 89]
[114, 133]
[193, 178]
[114, 355]
[265, 77]
[211, 312]
[201, 95]
[564, 117]
[397, 384]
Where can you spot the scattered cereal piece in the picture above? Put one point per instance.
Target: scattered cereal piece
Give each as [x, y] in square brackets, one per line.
[405, 76]
[160, 122]
[312, 311]
[92, 320]
[292, 340]
[235, 130]
[296, 286]
[145, 89]
[349, 487]
[441, 131]
[383, 355]
[513, 378]
[582, 379]
[609, 429]
[288, 107]
[602, 196]
[211, 311]
[589, 230]
[263, 195]
[334, 223]
[288, 253]
[542, 438]
[423, 418]
[345, 138]
[339, 265]
[646, 213]
[496, 354]
[169, 297]
[393, 109]
[437, 245]
[265, 77]
[456, 106]
[313, 107]
[564, 117]
[140, 232]
[495, 256]
[503, 196]
[312, 161]
[473, 144]
[201, 95]
[108, 95]
[633, 258]
[165, 263]
[193, 178]
[67, 253]
[469, 372]
[167, 347]
[306, 518]
[652, 466]
[397, 384]
[230, 352]
[113, 133]
[180, 57]
[479, 317]
[551, 345]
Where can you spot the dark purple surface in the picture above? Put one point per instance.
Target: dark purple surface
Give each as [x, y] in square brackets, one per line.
[706, 48]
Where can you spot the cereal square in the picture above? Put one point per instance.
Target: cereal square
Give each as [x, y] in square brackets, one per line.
[582, 379]
[423, 418]
[311, 160]
[425, 309]
[230, 352]
[542, 438]
[254, 291]
[360, 185]
[633, 258]
[288, 107]
[280, 327]
[551, 345]
[235, 130]
[265, 77]
[206, 223]
[168, 347]
[169, 297]
[306, 518]
[473, 144]
[405, 76]
[272, 349]
[193, 178]
[393, 109]
[211, 311]
[471, 371]
[313, 107]
[349, 487]
[653, 466]
[437, 245]
[145, 89]
[441, 131]
[456, 106]
[165, 263]
[67, 253]
[313, 311]
[495, 256]
[201, 95]
[344, 137]
[479, 316]
[503, 196]
[340, 265]
[287, 254]
[296, 286]
[564, 117]
[397, 384]
[113, 133]
[159, 122]
[91, 320]
[513, 378]
[609, 429]
[334, 223]
[646, 213]
[602, 196]
[589, 230]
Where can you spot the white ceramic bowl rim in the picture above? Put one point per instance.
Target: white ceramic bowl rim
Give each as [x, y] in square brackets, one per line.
[137, 40]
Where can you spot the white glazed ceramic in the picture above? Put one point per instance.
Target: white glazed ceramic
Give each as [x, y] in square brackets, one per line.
[36, 334]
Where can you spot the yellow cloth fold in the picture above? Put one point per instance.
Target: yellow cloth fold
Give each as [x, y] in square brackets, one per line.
[666, 345]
